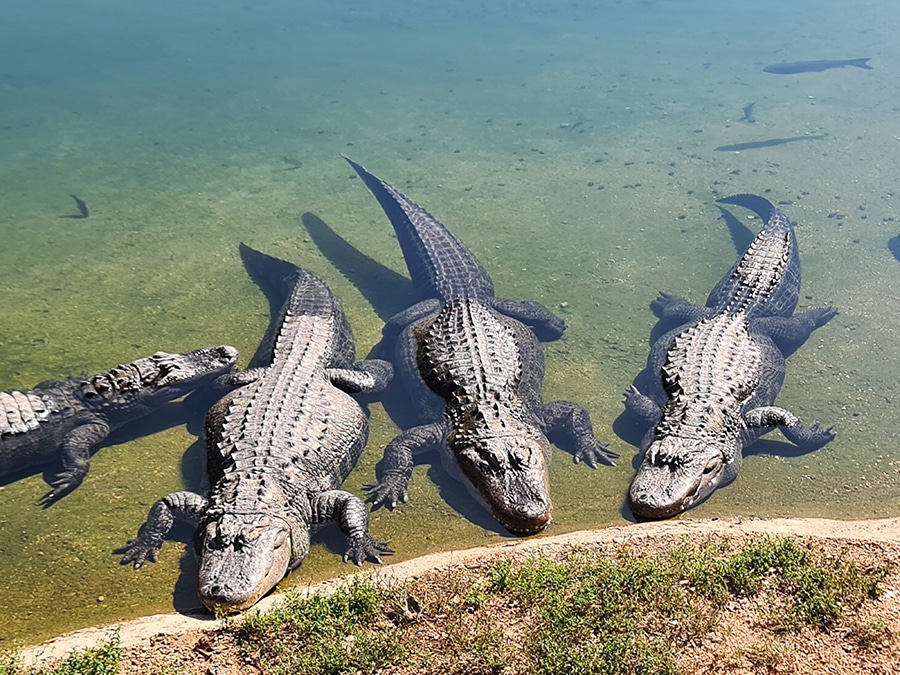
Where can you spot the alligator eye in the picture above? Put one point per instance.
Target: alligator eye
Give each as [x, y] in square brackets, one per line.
[711, 466]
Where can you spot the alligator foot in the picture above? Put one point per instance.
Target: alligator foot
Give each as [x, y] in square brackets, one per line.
[809, 438]
[360, 549]
[395, 468]
[63, 484]
[574, 421]
[186, 506]
[389, 491]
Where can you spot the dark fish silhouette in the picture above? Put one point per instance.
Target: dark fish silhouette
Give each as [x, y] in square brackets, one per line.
[894, 246]
[82, 209]
[815, 66]
[748, 113]
[752, 145]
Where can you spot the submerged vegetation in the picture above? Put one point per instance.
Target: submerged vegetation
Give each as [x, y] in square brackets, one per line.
[582, 611]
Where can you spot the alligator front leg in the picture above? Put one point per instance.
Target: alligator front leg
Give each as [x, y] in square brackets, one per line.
[545, 324]
[353, 518]
[186, 506]
[395, 468]
[76, 459]
[575, 422]
[643, 407]
[807, 438]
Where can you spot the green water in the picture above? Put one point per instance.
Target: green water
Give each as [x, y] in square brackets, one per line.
[572, 151]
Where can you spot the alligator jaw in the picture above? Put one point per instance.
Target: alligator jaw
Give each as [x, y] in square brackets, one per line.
[511, 477]
[676, 474]
[242, 557]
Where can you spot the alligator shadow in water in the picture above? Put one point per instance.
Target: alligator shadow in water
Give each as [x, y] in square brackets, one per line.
[894, 247]
[768, 143]
[386, 290]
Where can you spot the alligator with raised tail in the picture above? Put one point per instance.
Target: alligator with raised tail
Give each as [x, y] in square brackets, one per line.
[712, 382]
[278, 449]
[473, 367]
[65, 419]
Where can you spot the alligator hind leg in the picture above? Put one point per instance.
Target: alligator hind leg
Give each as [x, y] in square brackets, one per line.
[545, 324]
[186, 506]
[575, 422]
[370, 376]
[807, 438]
[395, 468]
[76, 459]
[668, 306]
[791, 332]
[353, 518]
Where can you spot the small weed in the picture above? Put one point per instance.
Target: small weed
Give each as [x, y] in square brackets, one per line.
[869, 634]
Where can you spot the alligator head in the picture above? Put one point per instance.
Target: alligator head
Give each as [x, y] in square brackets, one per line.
[678, 473]
[169, 375]
[510, 474]
[242, 557]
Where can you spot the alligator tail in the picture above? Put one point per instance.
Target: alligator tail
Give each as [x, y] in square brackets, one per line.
[440, 265]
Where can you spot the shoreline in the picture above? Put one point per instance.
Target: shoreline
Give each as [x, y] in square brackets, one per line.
[138, 631]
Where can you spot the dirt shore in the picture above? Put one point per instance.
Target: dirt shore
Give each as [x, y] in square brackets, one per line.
[138, 633]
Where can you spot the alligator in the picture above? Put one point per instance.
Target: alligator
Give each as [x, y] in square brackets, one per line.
[717, 375]
[66, 419]
[473, 367]
[278, 449]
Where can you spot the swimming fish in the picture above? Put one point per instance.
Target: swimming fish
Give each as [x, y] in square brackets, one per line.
[815, 66]
[748, 113]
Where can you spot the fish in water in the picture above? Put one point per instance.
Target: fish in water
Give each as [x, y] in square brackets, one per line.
[748, 113]
[815, 66]
[894, 246]
[771, 142]
[82, 208]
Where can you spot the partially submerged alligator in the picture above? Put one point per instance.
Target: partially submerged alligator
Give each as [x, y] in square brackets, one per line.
[712, 381]
[473, 367]
[65, 419]
[278, 449]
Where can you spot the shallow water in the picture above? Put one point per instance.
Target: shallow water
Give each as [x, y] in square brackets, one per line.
[572, 149]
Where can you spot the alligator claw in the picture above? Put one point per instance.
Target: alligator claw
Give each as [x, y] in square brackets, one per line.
[62, 485]
[593, 452]
[137, 552]
[365, 548]
[389, 492]
[823, 315]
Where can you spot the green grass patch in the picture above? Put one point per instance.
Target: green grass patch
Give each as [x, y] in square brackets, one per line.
[583, 612]
[352, 630]
[100, 660]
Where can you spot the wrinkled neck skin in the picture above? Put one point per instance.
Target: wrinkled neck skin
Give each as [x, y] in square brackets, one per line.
[509, 475]
[678, 473]
[243, 556]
